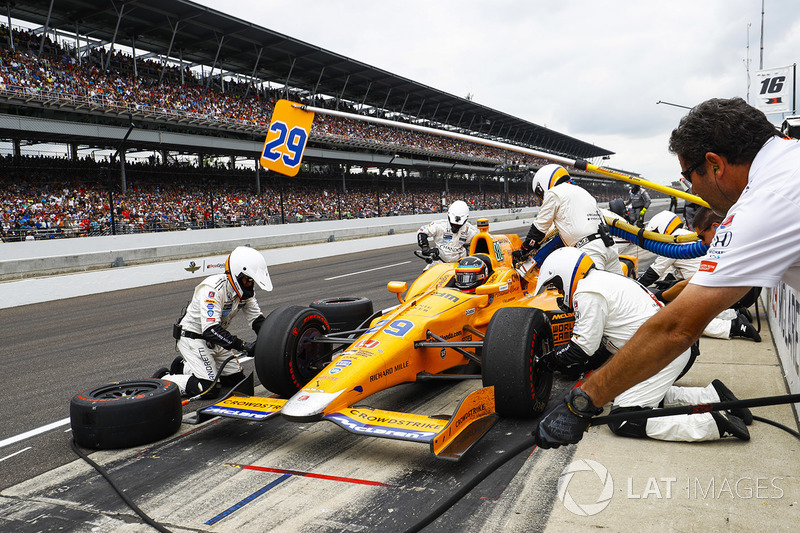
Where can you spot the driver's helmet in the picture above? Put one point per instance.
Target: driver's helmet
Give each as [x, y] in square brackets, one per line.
[548, 177]
[664, 222]
[245, 262]
[457, 214]
[564, 268]
[473, 271]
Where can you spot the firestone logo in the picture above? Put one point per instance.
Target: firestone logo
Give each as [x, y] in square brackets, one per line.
[585, 509]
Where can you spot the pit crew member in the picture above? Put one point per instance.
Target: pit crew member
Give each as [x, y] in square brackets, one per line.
[730, 323]
[609, 308]
[574, 213]
[639, 202]
[202, 336]
[452, 236]
[739, 163]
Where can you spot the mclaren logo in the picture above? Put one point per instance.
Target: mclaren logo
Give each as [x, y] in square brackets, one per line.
[192, 267]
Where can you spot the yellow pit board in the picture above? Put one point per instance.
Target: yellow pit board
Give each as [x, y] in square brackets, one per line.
[287, 138]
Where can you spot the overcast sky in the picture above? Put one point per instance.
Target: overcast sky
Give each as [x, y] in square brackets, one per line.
[592, 69]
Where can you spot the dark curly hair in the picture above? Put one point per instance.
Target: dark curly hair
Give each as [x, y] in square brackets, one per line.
[728, 127]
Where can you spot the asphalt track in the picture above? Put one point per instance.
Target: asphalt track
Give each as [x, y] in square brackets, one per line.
[233, 475]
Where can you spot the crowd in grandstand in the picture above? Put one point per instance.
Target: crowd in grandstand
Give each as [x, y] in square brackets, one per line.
[47, 197]
[50, 197]
[109, 81]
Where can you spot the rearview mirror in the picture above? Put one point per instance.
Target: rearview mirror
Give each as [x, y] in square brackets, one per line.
[397, 287]
[494, 288]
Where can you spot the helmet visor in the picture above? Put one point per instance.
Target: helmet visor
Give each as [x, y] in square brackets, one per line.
[470, 277]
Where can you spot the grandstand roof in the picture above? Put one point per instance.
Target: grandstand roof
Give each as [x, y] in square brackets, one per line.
[202, 35]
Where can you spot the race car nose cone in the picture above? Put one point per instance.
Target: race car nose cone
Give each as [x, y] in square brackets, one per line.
[305, 406]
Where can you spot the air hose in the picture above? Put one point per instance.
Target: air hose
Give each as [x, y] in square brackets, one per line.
[548, 248]
[672, 246]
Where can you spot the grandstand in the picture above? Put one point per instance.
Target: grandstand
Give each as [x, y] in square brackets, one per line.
[200, 85]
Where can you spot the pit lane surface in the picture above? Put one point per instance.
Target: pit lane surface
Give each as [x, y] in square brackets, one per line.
[229, 474]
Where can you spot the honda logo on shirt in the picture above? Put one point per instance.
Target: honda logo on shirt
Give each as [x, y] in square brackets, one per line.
[721, 240]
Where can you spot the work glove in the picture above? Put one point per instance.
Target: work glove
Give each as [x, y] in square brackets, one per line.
[567, 421]
[432, 253]
[569, 360]
[250, 348]
[659, 294]
[518, 255]
[548, 362]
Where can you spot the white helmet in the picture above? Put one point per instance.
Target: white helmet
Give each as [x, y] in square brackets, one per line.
[664, 222]
[245, 262]
[564, 268]
[457, 214]
[547, 177]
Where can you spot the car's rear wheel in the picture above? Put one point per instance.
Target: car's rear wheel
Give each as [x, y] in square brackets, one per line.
[285, 357]
[345, 313]
[125, 414]
[514, 338]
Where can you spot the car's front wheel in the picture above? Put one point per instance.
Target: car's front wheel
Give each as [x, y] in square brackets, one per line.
[514, 338]
[285, 356]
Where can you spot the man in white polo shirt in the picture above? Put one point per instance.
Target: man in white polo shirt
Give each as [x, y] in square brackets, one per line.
[738, 162]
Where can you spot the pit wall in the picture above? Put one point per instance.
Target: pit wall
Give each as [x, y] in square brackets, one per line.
[42, 271]
[782, 306]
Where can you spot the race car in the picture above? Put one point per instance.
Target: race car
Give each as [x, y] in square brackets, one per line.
[436, 330]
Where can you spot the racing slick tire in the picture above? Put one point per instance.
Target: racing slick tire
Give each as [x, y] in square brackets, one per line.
[285, 360]
[125, 414]
[514, 338]
[617, 206]
[345, 313]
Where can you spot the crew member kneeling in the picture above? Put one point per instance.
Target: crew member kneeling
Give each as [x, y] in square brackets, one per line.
[609, 308]
[203, 338]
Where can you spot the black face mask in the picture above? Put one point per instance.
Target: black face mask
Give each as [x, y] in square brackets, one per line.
[247, 292]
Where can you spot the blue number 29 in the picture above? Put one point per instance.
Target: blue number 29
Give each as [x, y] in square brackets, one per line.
[294, 140]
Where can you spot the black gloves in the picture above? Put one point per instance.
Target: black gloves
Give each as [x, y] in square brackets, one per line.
[249, 348]
[258, 322]
[649, 277]
[433, 253]
[570, 360]
[567, 421]
[524, 251]
[529, 243]
[659, 294]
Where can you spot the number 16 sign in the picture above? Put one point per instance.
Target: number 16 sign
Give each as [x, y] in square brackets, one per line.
[286, 139]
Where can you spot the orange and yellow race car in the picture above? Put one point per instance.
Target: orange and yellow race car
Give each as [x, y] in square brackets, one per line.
[437, 329]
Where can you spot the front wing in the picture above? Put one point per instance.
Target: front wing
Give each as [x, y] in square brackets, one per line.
[448, 438]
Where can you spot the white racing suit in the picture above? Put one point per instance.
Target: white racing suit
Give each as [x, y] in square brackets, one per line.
[609, 308]
[720, 326]
[575, 215]
[452, 246]
[203, 347]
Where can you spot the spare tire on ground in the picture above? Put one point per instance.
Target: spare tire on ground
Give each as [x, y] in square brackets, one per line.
[125, 414]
